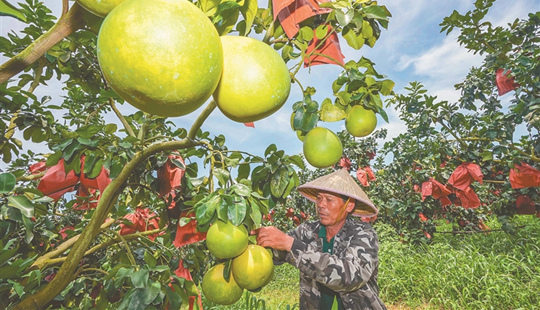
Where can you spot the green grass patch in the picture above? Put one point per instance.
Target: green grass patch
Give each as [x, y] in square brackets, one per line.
[467, 271]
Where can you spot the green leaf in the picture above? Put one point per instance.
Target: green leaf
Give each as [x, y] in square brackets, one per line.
[386, 87]
[222, 175]
[305, 33]
[237, 211]
[297, 160]
[204, 210]
[173, 297]
[279, 181]
[293, 182]
[249, 11]
[209, 6]
[70, 150]
[255, 213]
[331, 113]
[241, 189]
[110, 128]
[6, 253]
[140, 278]
[136, 301]
[377, 12]
[226, 16]
[96, 170]
[150, 259]
[321, 31]
[23, 204]
[367, 30]
[149, 294]
[88, 131]
[89, 162]
[226, 201]
[344, 18]
[6, 9]
[7, 182]
[210, 209]
[53, 159]
[355, 41]
[487, 155]
[243, 171]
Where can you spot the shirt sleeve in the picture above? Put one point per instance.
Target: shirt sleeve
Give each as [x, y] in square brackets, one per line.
[343, 272]
[281, 257]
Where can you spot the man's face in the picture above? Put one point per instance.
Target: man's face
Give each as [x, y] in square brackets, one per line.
[331, 209]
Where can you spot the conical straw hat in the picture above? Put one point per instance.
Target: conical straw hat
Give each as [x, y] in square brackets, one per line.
[340, 183]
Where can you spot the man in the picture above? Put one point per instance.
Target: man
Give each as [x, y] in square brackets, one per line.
[337, 256]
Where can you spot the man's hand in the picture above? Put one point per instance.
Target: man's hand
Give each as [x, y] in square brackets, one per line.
[274, 238]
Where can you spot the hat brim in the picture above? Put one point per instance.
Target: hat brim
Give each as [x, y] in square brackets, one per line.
[363, 208]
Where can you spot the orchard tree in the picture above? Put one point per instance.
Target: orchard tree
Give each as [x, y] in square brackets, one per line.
[462, 161]
[114, 212]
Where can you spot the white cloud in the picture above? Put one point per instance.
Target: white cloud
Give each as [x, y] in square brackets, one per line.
[446, 61]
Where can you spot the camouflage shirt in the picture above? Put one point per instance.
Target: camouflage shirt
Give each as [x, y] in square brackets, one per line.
[350, 271]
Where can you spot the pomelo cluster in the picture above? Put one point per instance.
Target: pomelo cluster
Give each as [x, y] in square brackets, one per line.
[252, 266]
[165, 57]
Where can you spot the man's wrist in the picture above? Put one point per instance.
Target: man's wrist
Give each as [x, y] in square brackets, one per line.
[289, 243]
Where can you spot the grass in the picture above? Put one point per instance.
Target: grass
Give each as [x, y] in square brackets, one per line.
[471, 271]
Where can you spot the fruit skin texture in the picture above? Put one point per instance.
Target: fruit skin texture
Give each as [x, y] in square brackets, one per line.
[164, 57]
[360, 122]
[322, 147]
[253, 269]
[255, 82]
[99, 7]
[224, 240]
[219, 291]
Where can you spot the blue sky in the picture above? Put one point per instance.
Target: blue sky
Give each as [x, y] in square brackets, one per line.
[412, 49]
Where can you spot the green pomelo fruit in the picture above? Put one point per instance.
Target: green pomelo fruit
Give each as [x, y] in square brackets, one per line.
[224, 240]
[216, 289]
[164, 57]
[253, 269]
[322, 147]
[99, 7]
[255, 82]
[360, 122]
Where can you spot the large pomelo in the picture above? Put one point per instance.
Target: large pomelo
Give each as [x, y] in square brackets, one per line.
[216, 289]
[360, 122]
[322, 147]
[99, 7]
[254, 268]
[162, 56]
[224, 240]
[255, 82]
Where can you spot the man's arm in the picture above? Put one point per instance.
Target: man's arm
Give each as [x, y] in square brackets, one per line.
[274, 238]
[344, 273]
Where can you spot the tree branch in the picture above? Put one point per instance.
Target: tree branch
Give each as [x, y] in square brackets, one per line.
[45, 260]
[108, 243]
[122, 119]
[66, 25]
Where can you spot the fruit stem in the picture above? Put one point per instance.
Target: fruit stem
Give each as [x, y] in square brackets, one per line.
[200, 120]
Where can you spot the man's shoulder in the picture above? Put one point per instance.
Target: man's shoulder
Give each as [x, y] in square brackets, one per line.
[359, 227]
[309, 226]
